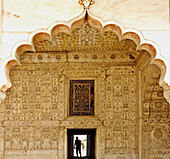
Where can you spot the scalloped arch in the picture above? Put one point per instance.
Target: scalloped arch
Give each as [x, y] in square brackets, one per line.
[68, 27]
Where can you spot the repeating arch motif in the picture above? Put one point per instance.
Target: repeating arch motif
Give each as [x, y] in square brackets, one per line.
[120, 32]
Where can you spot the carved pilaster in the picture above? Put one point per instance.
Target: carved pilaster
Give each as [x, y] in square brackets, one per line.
[100, 142]
[61, 142]
[102, 96]
[61, 98]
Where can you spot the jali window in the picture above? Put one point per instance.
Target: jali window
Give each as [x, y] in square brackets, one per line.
[81, 100]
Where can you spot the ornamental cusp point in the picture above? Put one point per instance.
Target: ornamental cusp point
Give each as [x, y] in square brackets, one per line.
[86, 3]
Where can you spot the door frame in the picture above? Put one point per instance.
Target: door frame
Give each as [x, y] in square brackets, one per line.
[90, 132]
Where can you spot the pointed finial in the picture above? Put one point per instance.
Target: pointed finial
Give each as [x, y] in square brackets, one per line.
[86, 3]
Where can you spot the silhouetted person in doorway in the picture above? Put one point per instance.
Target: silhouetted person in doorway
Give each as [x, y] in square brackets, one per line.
[78, 146]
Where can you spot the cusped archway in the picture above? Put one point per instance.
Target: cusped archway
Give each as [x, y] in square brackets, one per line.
[128, 80]
[87, 33]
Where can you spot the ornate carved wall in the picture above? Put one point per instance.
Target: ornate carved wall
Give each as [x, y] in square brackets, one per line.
[155, 116]
[35, 114]
[37, 104]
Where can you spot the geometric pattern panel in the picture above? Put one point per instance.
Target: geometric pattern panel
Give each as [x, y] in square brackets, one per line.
[30, 138]
[34, 94]
[121, 107]
[81, 100]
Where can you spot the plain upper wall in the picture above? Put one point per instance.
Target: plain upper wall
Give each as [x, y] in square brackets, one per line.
[20, 17]
[28, 15]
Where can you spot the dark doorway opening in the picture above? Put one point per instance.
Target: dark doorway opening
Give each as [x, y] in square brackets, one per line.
[87, 138]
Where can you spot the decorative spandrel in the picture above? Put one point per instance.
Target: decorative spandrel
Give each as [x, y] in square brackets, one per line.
[81, 98]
